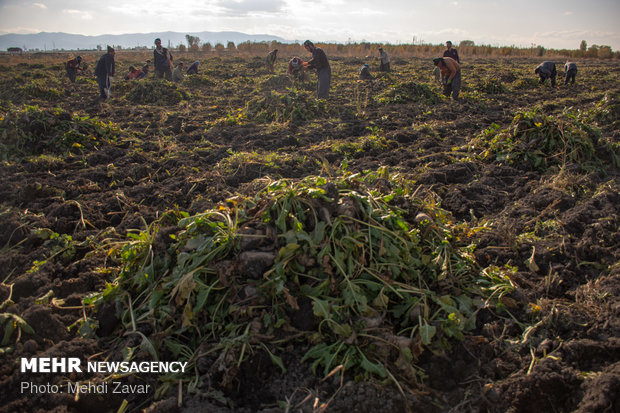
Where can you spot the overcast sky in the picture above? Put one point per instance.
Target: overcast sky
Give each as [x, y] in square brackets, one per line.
[550, 23]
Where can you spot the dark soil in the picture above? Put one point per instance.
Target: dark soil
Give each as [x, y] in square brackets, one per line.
[555, 348]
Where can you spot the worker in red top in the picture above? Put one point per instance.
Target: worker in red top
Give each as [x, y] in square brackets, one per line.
[72, 67]
[450, 71]
[296, 69]
[133, 73]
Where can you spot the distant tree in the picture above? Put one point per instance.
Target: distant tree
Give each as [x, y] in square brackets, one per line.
[182, 48]
[605, 52]
[467, 43]
[583, 46]
[219, 47]
[245, 46]
[231, 46]
[254, 47]
[592, 51]
[206, 47]
[192, 42]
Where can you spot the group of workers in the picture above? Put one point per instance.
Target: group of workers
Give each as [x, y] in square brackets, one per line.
[546, 70]
[105, 68]
[447, 69]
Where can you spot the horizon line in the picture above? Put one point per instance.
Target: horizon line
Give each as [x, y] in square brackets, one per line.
[293, 41]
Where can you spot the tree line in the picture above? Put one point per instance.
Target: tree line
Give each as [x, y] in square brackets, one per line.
[466, 47]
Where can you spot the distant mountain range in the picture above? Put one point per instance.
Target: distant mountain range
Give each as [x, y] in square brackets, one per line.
[65, 41]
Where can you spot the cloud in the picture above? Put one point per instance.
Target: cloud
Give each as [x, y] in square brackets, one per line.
[19, 30]
[568, 13]
[368, 12]
[39, 5]
[199, 10]
[560, 39]
[84, 15]
[445, 32]
[251, 6]
[577, 34]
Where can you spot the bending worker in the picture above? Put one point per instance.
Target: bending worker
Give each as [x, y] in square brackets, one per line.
[546, 70]
[450, 72]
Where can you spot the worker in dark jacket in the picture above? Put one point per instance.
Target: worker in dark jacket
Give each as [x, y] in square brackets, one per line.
[104, 70]
[546, 70]
[451, 52]
[323, 69]
[72, 67]
[571, 71]
[162, 59]
[193, 68]
[365, 73]
[145, 70]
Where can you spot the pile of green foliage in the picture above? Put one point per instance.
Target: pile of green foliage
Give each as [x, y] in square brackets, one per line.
[295, 106]
[359, 270]
[29, 86]
[408, 92]
[40, 89]
[607, 111]
[277, 82]
[30, 131]
[197, 81]
[155, 92]
[492, 86]
[544, 140]
[525, 83]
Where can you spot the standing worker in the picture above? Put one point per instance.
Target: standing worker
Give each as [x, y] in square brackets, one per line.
[162, 59]
[323, 70]
[546, 70]
[104, 70]
[384, 65]
[450, 76]
[451, 52]
[72, 67]
[271, 59]
[571, 71]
